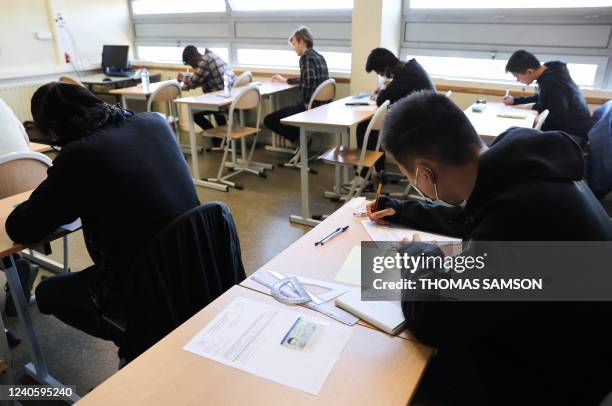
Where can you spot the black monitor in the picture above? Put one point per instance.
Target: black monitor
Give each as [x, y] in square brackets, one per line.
[115, 57]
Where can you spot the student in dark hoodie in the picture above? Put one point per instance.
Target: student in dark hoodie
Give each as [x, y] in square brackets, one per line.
[405, 78]
[525, 187]
[123, 175]
[568, 109]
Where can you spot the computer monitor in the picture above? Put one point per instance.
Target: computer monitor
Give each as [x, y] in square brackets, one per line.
[115, 57]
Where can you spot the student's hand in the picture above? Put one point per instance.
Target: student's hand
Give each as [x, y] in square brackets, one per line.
[377, 90]
[379, 216]
[508, 100]
[279, 79]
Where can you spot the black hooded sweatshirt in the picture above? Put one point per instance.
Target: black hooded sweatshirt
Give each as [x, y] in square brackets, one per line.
[528, 188]
[568, 109]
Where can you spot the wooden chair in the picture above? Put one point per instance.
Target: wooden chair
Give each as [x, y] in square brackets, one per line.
[245, 78]
[70, 80]
[325, 92]
[23, 171]
[166, 93]
[249, 98]
[360, 158]
[540, 119]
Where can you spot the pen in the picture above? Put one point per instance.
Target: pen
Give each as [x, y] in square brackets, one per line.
[331, 235]
[378, 190]
[513, 116]
[357, 104]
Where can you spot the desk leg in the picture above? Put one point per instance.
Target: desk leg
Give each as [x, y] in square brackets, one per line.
[195, 166]
[123, 101]
[38, 369]
[6, 363]
[305, 217]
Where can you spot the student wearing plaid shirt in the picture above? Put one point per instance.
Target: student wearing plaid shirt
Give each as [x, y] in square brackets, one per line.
[313, 72]
[209, 70]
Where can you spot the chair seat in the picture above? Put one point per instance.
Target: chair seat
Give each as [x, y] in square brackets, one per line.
[350, 156]
[237, 132]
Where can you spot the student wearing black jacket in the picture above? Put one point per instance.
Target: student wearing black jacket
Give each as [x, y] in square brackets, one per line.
[406, 77]
[525, 187]
[123, 175]
[557, 92]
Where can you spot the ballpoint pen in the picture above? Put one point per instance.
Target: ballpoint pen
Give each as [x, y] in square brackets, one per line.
[331, 235]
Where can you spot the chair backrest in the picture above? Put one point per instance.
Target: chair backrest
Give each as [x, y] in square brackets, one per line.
[540, 119]
[376, 123]
[449, 94]
[244, 78]
[248, 98]
[326, 91]
[22, 171]
[71, 80]
[165, 92]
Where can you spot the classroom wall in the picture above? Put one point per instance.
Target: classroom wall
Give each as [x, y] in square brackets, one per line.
[92, 23]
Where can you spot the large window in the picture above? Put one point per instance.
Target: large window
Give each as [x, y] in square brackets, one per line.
[242, 32]
[276, 5]
[473, 39]
[516, 4]
[340, 61]
[177, 6]
[168, 54]
[491, 69]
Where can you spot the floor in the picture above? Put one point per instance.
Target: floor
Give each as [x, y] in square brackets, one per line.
[261, 212]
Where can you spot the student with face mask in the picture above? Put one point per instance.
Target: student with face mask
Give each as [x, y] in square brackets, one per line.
[403, 79]
[526, 186]
[557, 92]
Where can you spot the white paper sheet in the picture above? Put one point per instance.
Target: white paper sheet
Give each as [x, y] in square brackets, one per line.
[249, 335]
[394, 232]
[350, 272]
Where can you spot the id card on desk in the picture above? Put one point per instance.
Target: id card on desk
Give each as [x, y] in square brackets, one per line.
[273, 342]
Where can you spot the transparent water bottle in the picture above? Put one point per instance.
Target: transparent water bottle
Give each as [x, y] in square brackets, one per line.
[144, 78]
[227, 82]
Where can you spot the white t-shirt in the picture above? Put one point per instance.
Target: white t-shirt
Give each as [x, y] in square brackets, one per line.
[13, 137]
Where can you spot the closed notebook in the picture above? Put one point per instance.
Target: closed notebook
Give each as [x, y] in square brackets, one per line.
[386, 316]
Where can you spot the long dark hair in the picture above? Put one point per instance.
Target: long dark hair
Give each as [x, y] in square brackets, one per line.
[66, 112]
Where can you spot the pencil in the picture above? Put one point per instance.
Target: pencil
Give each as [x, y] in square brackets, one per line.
[378, 190]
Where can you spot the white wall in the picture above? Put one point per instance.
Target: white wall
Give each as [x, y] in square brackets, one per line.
[91, 22]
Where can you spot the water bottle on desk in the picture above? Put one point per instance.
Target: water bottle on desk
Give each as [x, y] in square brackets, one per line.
[227, 82]
[144, 78]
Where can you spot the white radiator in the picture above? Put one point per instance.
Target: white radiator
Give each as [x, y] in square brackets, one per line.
[18, 96]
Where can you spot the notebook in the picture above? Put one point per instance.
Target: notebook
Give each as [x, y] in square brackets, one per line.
[386, 316]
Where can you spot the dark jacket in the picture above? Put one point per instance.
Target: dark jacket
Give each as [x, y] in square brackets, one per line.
[190, 263]
[125, 182]
[528, 188]
[568, 109]
[410, 78]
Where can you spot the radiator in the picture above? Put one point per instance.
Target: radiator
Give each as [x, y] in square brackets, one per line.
[18, 96]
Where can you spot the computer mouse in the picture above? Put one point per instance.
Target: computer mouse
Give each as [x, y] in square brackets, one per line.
[106, 80]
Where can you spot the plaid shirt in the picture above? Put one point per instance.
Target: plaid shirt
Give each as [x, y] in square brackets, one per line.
[208, 74]
[313, 72]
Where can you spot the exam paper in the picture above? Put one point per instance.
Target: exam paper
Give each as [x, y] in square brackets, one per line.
[273, 342]
[396, 232]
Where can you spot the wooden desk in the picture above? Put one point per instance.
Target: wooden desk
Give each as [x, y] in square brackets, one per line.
[215, 102]
[37, 369]
[373, 369]
[488, 125]
[335, 117]
[135, 92]
[42, 148]
[302, 258]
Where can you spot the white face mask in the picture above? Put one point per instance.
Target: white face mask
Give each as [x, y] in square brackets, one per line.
[437, 201]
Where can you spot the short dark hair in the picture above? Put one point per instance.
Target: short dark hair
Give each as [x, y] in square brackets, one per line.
[303, 34]
[71, 111]
[429, 125]
[522, 60]
[379, 59]
[189, 52]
